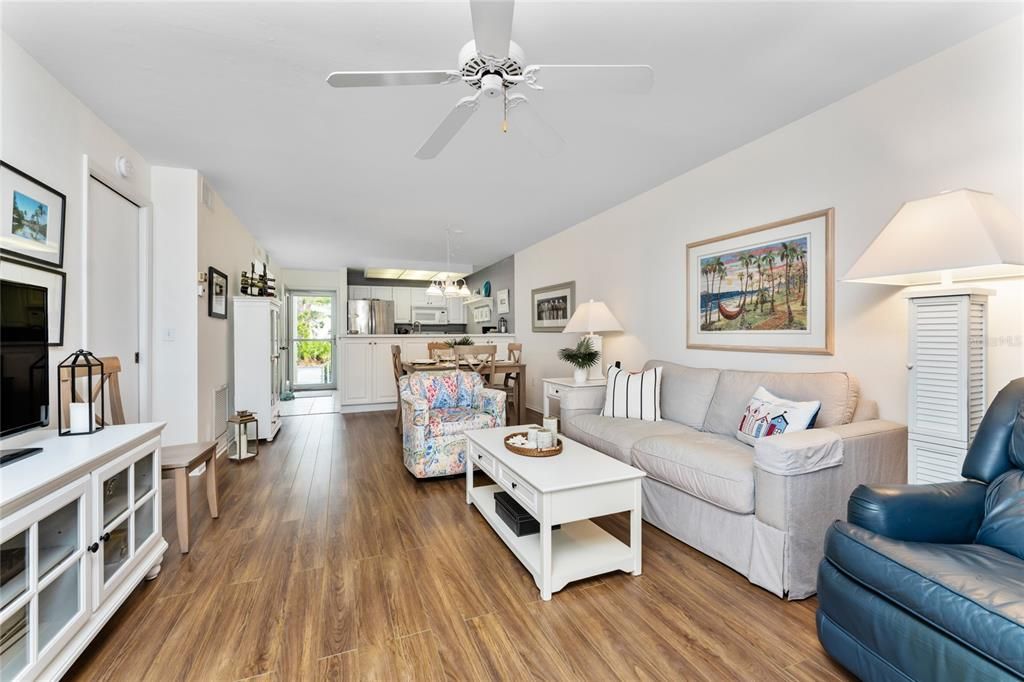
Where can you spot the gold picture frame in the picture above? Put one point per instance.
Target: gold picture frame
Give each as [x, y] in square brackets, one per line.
[764, 289]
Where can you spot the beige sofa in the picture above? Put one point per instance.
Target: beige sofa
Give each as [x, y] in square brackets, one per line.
[762, 510]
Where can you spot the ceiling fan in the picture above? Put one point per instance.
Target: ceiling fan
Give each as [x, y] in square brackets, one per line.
[493, 64]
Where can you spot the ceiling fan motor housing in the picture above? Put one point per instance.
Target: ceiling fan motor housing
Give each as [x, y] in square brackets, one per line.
[490, 74]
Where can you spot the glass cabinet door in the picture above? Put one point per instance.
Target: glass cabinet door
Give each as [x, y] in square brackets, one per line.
[42, 580]
[128, 515]
[115, 496]
[13, 568]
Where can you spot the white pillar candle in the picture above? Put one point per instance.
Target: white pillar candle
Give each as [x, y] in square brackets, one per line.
[551, 424]
[79, 418]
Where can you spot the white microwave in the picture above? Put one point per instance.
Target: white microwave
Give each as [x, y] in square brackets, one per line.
[425, 315]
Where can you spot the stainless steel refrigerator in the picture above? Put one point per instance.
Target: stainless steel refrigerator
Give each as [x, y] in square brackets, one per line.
[371, 316]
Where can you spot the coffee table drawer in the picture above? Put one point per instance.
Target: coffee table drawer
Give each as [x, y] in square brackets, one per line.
[482, 459]
[527, 495]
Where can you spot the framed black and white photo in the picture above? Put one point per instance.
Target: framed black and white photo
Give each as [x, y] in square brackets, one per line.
[32, 218]
[53, 281]
[217, 301]
[552, 306]
[502, 301]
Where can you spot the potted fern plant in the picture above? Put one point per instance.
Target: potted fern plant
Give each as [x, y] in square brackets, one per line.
[582, 358]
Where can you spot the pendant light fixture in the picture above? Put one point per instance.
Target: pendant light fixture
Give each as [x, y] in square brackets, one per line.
[449, 287]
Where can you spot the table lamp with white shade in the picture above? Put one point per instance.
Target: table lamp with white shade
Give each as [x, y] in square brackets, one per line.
[590, 318]
[930, 244]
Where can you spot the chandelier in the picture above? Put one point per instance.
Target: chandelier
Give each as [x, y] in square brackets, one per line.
[449, 287]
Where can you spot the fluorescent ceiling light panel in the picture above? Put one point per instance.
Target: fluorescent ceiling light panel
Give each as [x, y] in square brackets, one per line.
[382, 273]
[421, 275]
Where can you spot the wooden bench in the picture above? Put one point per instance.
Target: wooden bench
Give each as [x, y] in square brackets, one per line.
[177, 461]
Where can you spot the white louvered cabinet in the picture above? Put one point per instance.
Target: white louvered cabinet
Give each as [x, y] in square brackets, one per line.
[946, 383]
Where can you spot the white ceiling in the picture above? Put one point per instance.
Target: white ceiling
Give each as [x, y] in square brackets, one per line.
[326, 178]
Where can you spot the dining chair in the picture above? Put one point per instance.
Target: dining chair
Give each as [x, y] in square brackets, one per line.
[511, 379]
[396, 365]
[439, 350]
[479, 359]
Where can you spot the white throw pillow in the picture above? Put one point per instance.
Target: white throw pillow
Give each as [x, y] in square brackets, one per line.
[769, 415]
[633, 395]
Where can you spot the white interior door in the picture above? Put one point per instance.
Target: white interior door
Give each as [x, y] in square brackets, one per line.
[113, 287]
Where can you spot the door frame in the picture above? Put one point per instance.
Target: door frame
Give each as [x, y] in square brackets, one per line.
[333, 293]
[93, 171]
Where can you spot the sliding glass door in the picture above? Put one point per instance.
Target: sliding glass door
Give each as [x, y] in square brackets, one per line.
[312, 316]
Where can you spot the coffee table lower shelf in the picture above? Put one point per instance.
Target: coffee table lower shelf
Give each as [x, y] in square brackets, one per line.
[580, 549]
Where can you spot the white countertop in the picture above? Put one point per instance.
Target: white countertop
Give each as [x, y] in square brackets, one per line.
[64, 458]
[423, 335]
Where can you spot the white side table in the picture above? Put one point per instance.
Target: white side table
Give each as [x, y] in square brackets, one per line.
[573, 396]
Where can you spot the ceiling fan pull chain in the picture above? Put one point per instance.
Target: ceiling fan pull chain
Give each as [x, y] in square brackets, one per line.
[504, 104]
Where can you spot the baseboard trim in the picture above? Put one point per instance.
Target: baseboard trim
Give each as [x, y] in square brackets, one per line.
[376, 407]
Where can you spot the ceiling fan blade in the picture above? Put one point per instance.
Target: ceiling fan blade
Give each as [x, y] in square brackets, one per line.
[367, 79]
[492, 26]
[625, 78]
[542, 136]
[451, 124]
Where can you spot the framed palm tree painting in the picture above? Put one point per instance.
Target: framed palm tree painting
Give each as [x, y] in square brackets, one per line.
[766, 289]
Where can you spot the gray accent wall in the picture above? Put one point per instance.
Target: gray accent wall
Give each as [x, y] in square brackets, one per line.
[502, 275]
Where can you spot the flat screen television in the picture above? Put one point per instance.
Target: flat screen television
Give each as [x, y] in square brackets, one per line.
[24, 358]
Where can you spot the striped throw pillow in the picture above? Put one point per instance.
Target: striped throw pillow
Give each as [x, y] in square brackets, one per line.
[633, 395]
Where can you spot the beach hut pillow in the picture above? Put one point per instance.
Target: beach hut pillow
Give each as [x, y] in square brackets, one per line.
[769, 415]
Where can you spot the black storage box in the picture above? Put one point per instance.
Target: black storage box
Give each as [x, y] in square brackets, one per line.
[515, 516]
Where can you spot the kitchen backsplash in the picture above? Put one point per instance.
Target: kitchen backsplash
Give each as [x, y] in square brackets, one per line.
[436, 328]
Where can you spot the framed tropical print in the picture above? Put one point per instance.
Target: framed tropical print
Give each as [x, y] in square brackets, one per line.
[32, 226]
[766, 289]
[552, 306]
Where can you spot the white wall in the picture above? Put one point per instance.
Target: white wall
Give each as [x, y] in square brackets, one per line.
[46, 132]
[175, 194]
[224, 243]
[951, 121]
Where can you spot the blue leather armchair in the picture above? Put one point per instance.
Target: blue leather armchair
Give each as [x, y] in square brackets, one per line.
[926, 582]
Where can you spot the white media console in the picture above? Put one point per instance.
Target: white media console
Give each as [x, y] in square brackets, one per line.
[80, 529]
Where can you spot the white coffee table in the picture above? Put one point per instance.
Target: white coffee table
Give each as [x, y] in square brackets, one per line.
[568, 489]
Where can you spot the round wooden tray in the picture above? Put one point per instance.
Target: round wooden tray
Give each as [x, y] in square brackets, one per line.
[532, 452]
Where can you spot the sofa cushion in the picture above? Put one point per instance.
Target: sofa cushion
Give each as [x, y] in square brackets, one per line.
[973, 593]
[615, 437]
[450, 420]
[717, 469]
[837, 391]
[685, 392]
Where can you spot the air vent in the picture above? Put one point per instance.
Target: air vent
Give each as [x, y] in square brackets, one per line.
[221, 433]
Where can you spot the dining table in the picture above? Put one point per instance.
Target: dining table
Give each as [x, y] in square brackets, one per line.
[500, 367]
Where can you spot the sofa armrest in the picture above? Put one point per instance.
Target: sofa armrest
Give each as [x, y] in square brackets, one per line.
[801, 452]
[949, 513]
[803, 504]
[414, 410]
[491, 401]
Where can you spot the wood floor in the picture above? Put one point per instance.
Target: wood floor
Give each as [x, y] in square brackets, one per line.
[330, 562]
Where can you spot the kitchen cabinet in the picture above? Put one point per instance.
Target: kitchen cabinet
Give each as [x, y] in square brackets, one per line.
[367, 376]
[419, 298]
[79, 530]
[402, 297]
[456, 311]
[356, 368]
[358, 292]
[383, 293]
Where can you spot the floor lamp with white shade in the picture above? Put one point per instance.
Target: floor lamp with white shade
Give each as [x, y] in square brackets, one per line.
[591, 318]
[930, 245]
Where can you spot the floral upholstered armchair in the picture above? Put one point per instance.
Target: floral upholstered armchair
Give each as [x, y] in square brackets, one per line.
[437, 408]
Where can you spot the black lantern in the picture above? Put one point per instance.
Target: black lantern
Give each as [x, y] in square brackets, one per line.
[77, 413]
